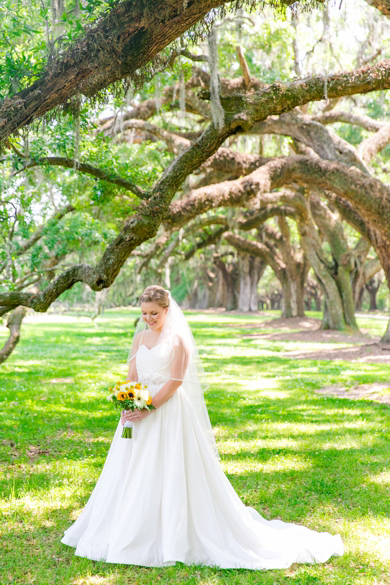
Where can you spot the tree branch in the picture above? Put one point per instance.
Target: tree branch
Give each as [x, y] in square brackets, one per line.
[382, 5]
[175, 143]
[14, 324]
[325, 143]
[348, 118]
[88, 169]
[122, 42]
[369, 196]
[244, 67]
[374, 144]
[242, 111]
[208, 240]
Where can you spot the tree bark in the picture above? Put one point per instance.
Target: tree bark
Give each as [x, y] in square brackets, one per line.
[333, 317]
[382, 5]
[244, 288]
[271, 257]
[386, 336]
[372, 286]
[257, 269]
[125, 40]
[227, 284]
[14, 323]
[288, 309]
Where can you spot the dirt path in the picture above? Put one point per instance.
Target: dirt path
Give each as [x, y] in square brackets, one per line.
[365, 348]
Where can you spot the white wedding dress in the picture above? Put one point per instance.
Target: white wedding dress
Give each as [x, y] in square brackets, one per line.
[163, 497]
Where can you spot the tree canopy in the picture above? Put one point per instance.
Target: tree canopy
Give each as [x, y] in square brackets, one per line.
[179, 150]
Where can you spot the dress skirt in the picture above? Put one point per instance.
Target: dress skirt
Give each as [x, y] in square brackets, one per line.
[163, 497]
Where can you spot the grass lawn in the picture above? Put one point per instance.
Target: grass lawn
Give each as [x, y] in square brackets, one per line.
[290, 453]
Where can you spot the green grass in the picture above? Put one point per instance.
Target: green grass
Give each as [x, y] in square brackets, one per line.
[290, 453]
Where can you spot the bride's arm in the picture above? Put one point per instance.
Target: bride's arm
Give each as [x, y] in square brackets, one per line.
[179, 366]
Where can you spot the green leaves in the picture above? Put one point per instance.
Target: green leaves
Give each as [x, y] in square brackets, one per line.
[27, 37]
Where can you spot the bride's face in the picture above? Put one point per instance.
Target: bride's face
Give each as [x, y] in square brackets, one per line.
[154, 315]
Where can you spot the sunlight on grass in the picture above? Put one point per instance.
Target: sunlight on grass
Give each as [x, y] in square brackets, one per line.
[95, 580]
[272, 465]
[380, 478]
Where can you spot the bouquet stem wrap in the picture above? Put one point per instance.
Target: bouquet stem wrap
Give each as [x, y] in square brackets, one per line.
[127, 431]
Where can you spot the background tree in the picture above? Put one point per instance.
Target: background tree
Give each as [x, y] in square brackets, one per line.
[193, 142]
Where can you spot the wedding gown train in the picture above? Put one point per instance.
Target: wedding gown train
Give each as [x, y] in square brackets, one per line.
[163, 497]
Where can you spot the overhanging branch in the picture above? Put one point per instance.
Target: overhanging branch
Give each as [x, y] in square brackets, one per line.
[88, 169]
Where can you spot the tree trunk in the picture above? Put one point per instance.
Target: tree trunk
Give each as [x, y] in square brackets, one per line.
[14, 323]
[193, 296]
[100, 299]
[221, 298]
[303, 271]
[244, 288]
[276, 300]
[312, 292]
[359, 299]
[250, 270]
[287, 303]
[386, 337]
[373, 305]
[300, 299]
[226, 279]
[345, 287]
[257, 270]
[293, 293]
[203, 297]
[333, 309]
[372, 287]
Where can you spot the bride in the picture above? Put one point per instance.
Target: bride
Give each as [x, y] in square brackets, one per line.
[162, 495]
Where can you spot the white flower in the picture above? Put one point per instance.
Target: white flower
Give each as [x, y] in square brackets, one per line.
[144, 394]
[139, 402]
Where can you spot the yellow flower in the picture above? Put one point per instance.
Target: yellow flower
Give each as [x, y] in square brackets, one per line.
[121, 396]
[138, 386]
[131, 394]
[149, 400]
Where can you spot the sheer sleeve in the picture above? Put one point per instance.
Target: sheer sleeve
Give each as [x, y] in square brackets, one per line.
[180, 360]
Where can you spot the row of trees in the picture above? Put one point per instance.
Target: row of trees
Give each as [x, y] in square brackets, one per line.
[226, 161]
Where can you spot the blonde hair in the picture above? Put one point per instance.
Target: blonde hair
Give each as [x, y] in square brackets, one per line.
[157, 294]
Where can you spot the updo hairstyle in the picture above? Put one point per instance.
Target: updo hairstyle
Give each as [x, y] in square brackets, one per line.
[155, 294]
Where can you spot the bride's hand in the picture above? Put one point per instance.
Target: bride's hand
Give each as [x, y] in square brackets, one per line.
[137, 415]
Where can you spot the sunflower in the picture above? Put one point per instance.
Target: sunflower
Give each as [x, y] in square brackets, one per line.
[131, 394]
[121, 396]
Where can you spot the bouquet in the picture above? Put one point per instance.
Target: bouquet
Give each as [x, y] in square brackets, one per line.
[129, 396]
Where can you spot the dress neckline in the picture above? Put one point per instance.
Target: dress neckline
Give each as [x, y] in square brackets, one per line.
[149, 348]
